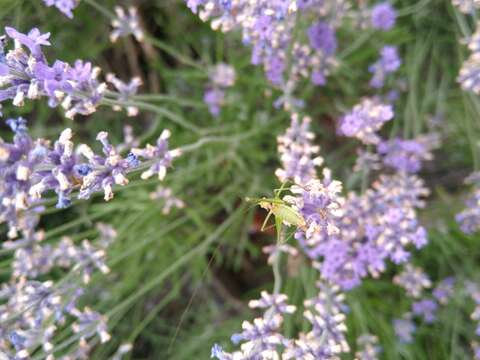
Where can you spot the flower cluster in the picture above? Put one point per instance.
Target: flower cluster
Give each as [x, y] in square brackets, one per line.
[26, 74]
[407, 155]
[222, 76]
[298, 155]
[404, 329]
[468, 76]
[376, 226]
[30, 168]
[267, 27]
[469, 218]
[262, 338]
[35, 309]
[320, 205]
[383, 16]
[368, 348]
[326, 339]
[388, 63]
[365, 120]
[413, 280]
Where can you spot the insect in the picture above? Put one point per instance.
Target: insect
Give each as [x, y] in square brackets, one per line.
[284, 214]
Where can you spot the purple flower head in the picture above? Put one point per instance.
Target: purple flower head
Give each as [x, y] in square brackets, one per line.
[388, 63]
[404, 155]
[413, 280]
[404, 329]
[322, 37]
[365, 120]
[214, 98]
[425, 308]
[383, 16]
[34, 40]
[444, 290]
[65, 6]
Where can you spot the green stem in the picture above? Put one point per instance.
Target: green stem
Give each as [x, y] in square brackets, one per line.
[100, 8]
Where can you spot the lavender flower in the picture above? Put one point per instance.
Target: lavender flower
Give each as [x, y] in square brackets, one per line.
[469, 76]
[267, 27]
[388, 63]
[466, 6]
[166, 196]
[444, 290]
[28, 75]
[322, 37]
[260, 339]
[368, 348]
[65, 6]
[476, 350]
[469, 218]
[413, 280]
[160, 156]
[407, 155]
[404, 329]
[31, 168]
[298, 155]
[383, 16]
[366, 161]
[126, 23]
[90, 323]
[365, 120]
[126, 91]
[425, 308]
[319, 204]
[326, 340]
[222, 76]
[34, 310]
